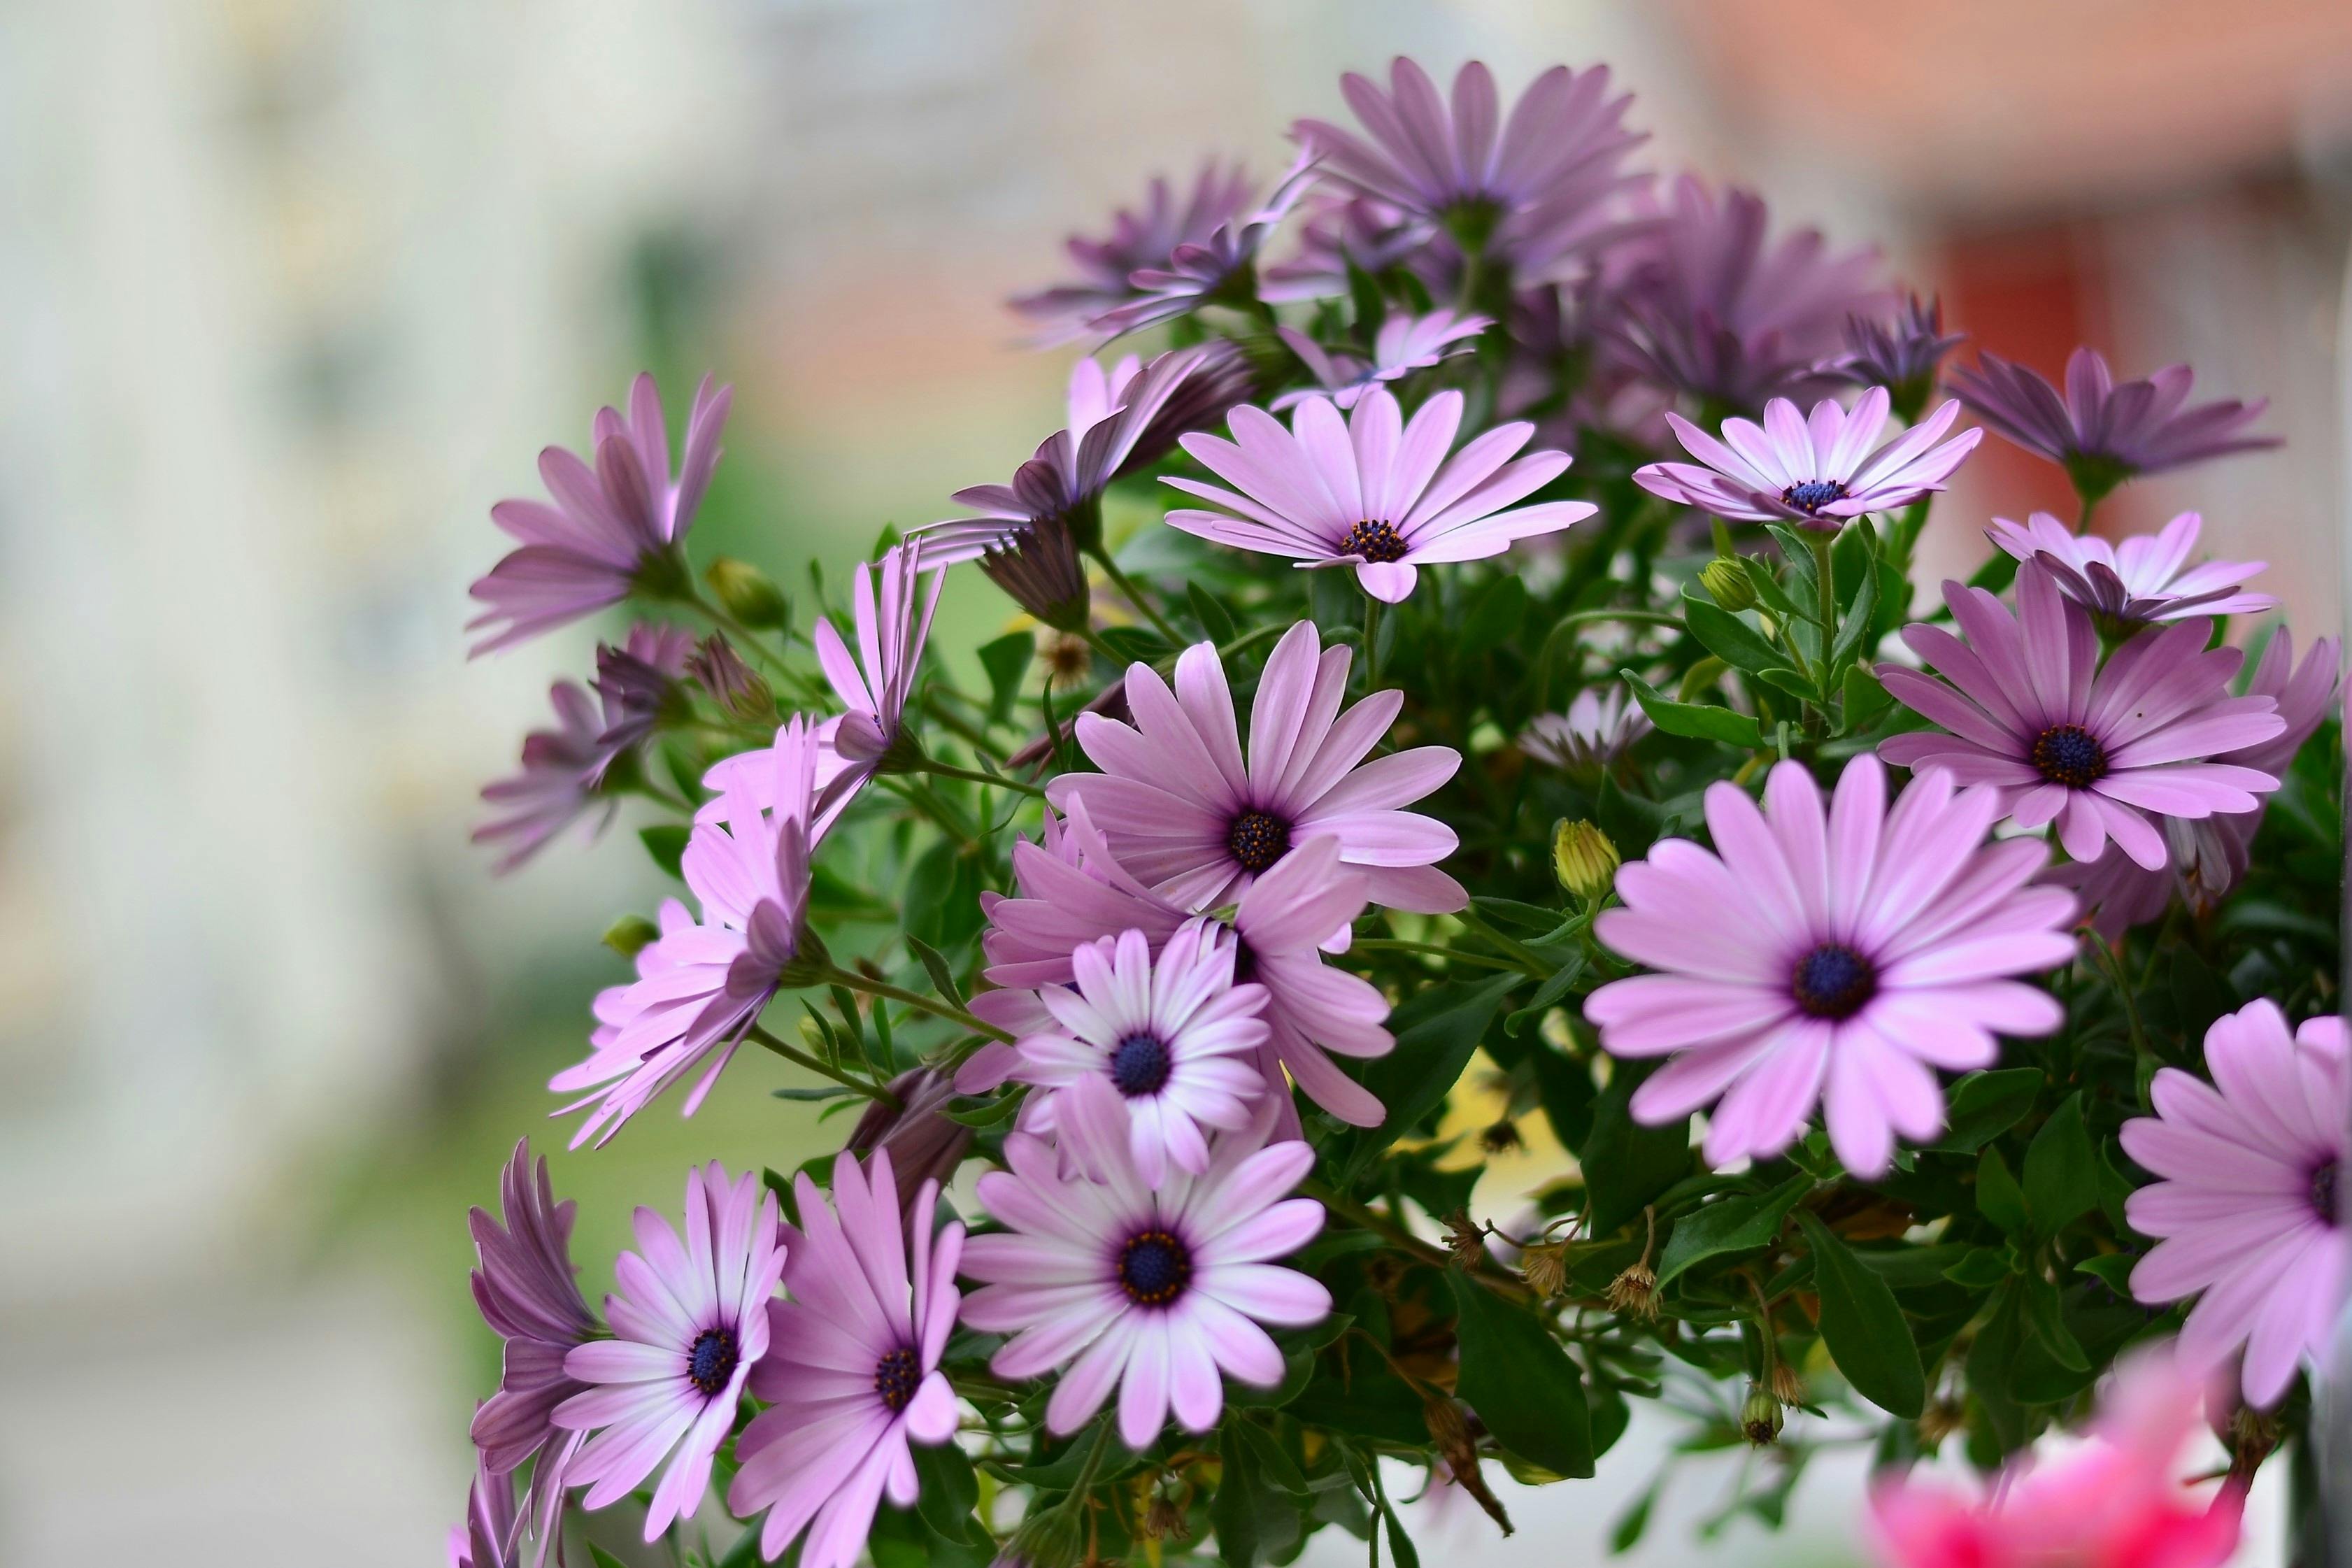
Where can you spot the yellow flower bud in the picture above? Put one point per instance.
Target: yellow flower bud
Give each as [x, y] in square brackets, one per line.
[1584, 859]
[1728, 584]
[748, 594]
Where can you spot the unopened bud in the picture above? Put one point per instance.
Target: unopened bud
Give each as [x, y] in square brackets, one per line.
[1466, 1239]
[1634, 1291]
[1545, 1269]
[735, 686]
[631, 934]
[1584, 859]
[748, 594]
[1053, 1538]
[1727, 584]
[1760, 1420]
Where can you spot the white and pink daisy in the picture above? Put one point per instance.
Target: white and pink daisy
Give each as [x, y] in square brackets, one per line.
[701, 985]
[690, 1323]
[2103, 751]
[1403, 345]
[1195, 820]
[1599, 726]
[1814, 472]
[2246, 1203]
[2146, 578]
[852, 1375]
[1834, 958]
[1372, 492]
[893, 619]
[1153, 1291]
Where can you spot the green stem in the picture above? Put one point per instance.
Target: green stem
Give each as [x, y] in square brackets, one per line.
[855, 981]
[911, 789]
[2083, 524]
[956, 723]
[1384, 1226]
[794, 1055]
[1134, 595]
[1520, 953]
[1636, 617]
[2112, 961]
[1095, 640]
[973, 775]
[1390, 944]
[745, 636]
[1371, 642]
[1826, 605]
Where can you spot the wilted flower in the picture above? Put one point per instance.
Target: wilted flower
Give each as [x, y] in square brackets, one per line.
[1815, 473]
[1900, 356]
[733, 684]
[1138, 239]
[1403, 345]
[2141, 580]
[1599, 726]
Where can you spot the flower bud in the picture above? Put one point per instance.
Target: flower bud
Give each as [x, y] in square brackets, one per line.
[735, 686]
[748, 594]
[925, 1145]
[1727, 584]
[1760, 1420]
[1584, 859]
[631, 934]
[1053, 1538]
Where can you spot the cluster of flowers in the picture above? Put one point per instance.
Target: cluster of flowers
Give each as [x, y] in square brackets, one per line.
[1227, 985]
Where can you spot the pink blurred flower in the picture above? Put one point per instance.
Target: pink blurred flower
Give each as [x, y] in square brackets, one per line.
[1154, 1291]
[1371, 491]
[2103, 434]
[851, 1377]
[2247, 1203]
[689, 1325]
[1138, 238]
[1221, 269]
[610, 524]
[1403, 345]
[1598, 728]
[1815, 473]
[1834, 958]
[2142, 579]
[2030, 709]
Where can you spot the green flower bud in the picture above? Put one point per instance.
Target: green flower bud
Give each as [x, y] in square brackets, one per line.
[748, 594]
[630, 935]
[1727, 584]
[1584, 859]
[1760, 1420]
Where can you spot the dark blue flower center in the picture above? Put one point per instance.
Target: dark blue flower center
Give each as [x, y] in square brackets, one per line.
[1833, 981]
[2071, 755]
[1813, 494]
[1257, 840]
[2322, 1190]
[1139, 1065]
[1153, 1268]
[1374, 542]
[711, 1361]
[896, 1378]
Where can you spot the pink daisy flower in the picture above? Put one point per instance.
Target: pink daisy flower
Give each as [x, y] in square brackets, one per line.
[1814, 472]
[610, 524]
[703, 984]
[2030, 711]
[2246, 1202]
[1371, 491]
[689, 1325]
[2102, 433]
[1403, 345]
[1140, 237]
[2142, 579]
[1190, 817]
[891, 625]
[1599, 726]
[1836, 957]
[852, 1375]
[1150, 1290]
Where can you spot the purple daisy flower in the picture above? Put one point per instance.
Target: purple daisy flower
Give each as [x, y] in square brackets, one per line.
[1403, 345]
[610, 524]
[1599, 726]
[1138, 239]
[1340, 232]
[1152, 1291]
[2103, 434]
[1816, 473]
[1902, 355]
[893, 615]
[637, 683]
[481, 1541]
[1372, 492]
[2140, 579]
[1835, 958]
[1196, 822]
[689, 1323]
[852, 1375]
[556, 785]
[703, 984]
[523, 1284]
[1708, 307]
[2030, 711]
[1219, 270]
[1530, 191]
[2246, 1200]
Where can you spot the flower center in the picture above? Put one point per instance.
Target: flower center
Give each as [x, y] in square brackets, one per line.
[1153, 1268]
[2322, 1190]
[1833, 981]
[1813, 494]
[711, 1361]
[1258, 840]
[896, 1378]
[1374, 542]
[2069, 754]
[1139, 1065]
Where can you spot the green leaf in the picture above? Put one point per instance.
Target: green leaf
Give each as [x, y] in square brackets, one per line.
[1625, 1163]
[1693, 720]
[1564, 1087]
[1216, 621]
[666, 842]
[1727, 637]
[1364, 294]
[1767, 580]
[1998, 1197]
[1550, 992]
[1234, 1511]
[1435, 1033]
[1494, 616]
[1797, 560]
[1006, 660]
[1985, 1105]
[1980, 1269]
[1519, 1381]
[2062, 1171]
[987, 1113]
[2045, 1324]
[1864, 1328]
[1858, 620]
[1631, 1524]
[1273, 1465]
[603, 1558]
[936, 966]
[1740, 1223]
[1795, 682]
[949, 1490]
[1865, 698]
[2112, 1269]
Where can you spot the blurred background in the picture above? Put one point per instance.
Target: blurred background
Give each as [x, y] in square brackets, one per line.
[291, 291]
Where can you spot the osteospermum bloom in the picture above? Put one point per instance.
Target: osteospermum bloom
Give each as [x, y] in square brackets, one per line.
[1372, 492]
[1532, 190]
[2246, 1203]
[482, 1539]
[2103, 434]
[1191, 818]
[2099, 749]
[1152, 1291]
[689, 1324]
[612, 527]
[2114, 1502]
[1141, 237]
[2146, 578]
[1814, 472]
[556, 785]
[1834, 958]
[1403, 345]
[852, 1375]
[1900, 356]
[701, 985]
[1221, 269]
[1339, 233]
[1599, 726]
[892, 609]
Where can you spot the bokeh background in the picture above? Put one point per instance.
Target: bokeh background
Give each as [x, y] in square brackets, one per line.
[291, 291]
